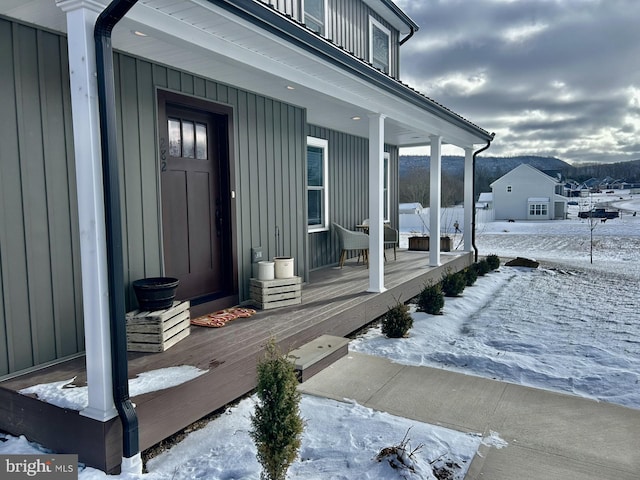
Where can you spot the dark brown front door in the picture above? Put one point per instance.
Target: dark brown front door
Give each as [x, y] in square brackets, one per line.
[195, 204]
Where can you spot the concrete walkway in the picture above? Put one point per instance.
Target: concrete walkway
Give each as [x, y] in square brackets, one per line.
[550, 436]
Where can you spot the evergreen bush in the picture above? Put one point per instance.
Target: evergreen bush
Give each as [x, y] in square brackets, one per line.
[453, 284]
[494, 261]
[483, 267]
[431, 299]
[471, 274]
[276, 423]
[398, 321]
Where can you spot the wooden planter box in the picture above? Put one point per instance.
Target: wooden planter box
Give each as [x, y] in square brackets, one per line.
[280, 292]
[419, 243]
[422, 244]
[159, 330]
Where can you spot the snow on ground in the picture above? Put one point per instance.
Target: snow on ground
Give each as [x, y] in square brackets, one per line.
[571, 325]
[513, 325]
[341, 442]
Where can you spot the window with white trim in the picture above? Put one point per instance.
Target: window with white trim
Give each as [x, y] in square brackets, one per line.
[385, 189]
[509, 189]
[379, 45]
[538, 210]
[315, 15]
[317, 194]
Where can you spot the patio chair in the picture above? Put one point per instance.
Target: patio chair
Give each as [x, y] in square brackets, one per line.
[352, 241]
[391, 239]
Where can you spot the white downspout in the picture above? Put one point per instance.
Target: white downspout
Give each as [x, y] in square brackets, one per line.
[81, 17]
[435, 194]
[376, 210]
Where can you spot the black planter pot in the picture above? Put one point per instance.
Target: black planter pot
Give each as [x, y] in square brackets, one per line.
[156, 293]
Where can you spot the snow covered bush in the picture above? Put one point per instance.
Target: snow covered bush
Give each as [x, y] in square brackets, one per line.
[494, 261]
[431, 299]
[398, 321]
[401, 457]
[453, 283]
[276, 423]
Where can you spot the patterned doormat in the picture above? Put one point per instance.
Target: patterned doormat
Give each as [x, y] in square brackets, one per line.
[222, 317]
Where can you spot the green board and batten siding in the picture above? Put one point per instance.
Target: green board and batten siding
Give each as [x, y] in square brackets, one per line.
[40, 281]
[266, 132]
[347, 26]
[348, 187]
[40, 278]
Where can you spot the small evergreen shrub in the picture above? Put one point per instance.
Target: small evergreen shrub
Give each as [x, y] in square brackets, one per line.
[398, 321]
[494, 261]
[431, 299]
[453, 284]
[483, 267]
[471, 274]
[276, 423]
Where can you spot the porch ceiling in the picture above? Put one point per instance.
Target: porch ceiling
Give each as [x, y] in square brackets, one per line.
[205, 39]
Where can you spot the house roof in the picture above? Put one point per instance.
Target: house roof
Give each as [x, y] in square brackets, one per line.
[250, 45]
[410, 207]
[521, 169]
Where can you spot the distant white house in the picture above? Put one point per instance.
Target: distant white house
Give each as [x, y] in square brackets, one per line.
[485, 201]
[526, 193]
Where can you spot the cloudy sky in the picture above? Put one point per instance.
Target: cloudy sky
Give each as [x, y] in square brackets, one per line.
[550, 77]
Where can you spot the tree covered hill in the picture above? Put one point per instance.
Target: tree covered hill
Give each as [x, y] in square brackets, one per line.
[498, 166]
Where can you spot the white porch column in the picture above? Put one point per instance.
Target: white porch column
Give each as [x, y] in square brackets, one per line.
[81, 17]
[435, 196]
[376, 211]
[469, 201]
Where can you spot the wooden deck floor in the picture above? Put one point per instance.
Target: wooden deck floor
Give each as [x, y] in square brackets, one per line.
[335, 302]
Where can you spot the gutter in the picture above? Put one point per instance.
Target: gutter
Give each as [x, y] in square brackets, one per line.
[473, 194]
[402, 16]
[109, 17]
[409, 35]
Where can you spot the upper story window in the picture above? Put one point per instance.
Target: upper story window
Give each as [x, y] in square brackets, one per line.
[317, 194]
[379, 45]
[314, 15]
[509, 189]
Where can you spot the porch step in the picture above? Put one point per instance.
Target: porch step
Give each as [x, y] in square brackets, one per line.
[317, 355]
